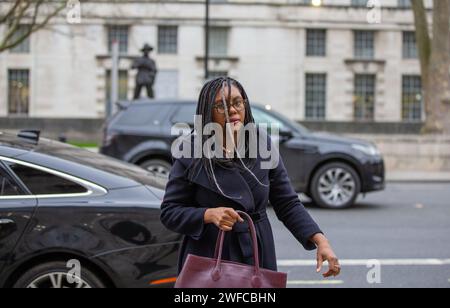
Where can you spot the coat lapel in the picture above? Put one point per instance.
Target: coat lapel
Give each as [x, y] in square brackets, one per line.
[232, 184]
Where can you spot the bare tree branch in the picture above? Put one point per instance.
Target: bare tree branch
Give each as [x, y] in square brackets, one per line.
[14, 22]
[30, 17]
[10, 12]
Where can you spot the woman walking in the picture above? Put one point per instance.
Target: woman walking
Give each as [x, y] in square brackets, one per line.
[203, 194]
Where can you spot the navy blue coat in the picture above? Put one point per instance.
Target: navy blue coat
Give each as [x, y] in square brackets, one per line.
[185, 203]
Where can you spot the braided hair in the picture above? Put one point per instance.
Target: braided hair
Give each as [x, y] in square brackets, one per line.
[205, 109]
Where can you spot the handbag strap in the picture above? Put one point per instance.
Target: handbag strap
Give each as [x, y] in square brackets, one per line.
[219, 248]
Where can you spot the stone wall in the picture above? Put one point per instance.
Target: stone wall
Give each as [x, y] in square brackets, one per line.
[412, 153]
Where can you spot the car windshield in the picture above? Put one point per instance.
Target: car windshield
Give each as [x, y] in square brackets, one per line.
[100, 162]
[272, 117]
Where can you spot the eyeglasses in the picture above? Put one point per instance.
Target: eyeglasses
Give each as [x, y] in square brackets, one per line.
[238, 105]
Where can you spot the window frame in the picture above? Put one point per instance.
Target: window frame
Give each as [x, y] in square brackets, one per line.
[364, 44]
[369, 108]
[24, 90]
[409, 106]
[13, 178]
[317, 80]
[175, 111]
[92, 189]
[316, 45]
[164, 42]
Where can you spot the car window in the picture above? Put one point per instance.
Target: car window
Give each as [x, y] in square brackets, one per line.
[101, 162]
[7, 186]
[43, 183]
[143, 115]
[184, 114]
[262, 117]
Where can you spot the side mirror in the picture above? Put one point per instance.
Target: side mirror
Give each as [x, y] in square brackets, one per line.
[286, 135]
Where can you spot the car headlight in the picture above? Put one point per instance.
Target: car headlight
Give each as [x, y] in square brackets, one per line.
[370, 150]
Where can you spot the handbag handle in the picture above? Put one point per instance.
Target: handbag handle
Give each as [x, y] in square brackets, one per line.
[216, 273]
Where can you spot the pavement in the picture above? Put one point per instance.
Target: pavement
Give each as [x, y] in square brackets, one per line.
[394, 238]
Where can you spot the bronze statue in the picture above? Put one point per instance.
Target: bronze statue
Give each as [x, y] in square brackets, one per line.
[146, 73]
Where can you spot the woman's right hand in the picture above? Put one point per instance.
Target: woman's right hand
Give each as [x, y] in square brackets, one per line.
[224, 218]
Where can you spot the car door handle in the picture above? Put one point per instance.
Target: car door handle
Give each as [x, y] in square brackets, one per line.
[7, 227]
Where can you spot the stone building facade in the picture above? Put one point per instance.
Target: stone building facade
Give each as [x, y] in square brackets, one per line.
[325, 61]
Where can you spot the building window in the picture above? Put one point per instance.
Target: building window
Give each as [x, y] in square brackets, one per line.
[167, 39]
[409, 45]
[364, 44]
[316, 42]
[404, 4]
[18, 92]
[24, 46]
[359, 3]
[364, 98]
[123, 85]
[218, 42]
[412, 98]
[315, 96]
[119, 34]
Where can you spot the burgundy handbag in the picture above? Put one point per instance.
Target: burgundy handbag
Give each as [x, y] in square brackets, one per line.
[202, 272]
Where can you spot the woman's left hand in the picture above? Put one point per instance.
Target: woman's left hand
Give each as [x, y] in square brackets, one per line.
[325, 253]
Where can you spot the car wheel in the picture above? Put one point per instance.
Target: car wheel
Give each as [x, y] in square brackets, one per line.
[158, 166]
[56, 275]
[335, 186]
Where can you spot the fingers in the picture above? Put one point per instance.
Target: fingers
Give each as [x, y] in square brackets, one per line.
[319, 263]
[226, 218]
[226, 223]
[225, 228]
[334, 268]
[234, 215]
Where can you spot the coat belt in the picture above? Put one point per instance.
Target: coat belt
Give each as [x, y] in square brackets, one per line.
[243, 233]
[257, 217]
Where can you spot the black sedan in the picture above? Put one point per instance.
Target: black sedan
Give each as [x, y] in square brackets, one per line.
[72, 218]
[332, 170]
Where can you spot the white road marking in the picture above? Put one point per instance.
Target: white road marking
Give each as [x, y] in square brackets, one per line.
[365, 262]
[315, 282]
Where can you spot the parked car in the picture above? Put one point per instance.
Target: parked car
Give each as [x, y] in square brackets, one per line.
[331, 170]
[63, 208]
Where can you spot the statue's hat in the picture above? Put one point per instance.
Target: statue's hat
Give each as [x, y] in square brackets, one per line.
[147, 47]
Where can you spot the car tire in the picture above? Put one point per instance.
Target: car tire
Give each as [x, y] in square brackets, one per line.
[158, 166]
[335, 186]
[55, 275]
